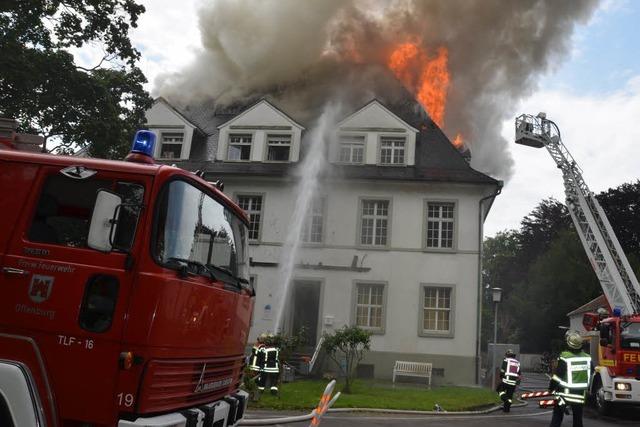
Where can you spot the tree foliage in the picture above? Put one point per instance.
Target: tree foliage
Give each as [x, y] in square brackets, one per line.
[42, 87]
[544, 271]
[351, 343]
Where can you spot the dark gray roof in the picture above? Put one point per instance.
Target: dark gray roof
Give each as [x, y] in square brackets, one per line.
[436, 158]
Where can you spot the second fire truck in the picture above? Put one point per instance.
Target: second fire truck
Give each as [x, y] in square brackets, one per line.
[615, 340]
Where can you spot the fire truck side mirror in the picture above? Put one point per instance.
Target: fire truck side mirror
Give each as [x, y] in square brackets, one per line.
[104, 221]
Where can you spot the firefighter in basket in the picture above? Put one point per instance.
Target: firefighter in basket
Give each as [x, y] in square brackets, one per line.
[570, 380]
[510, 378]
[265, 362]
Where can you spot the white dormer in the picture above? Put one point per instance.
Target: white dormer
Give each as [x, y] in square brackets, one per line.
[374, 135]
[173, 131]
[261, 133]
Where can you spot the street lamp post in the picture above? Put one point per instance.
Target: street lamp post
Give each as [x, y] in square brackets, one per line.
[496, 296]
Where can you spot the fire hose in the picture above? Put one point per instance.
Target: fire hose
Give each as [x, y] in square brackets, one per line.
[326, 402]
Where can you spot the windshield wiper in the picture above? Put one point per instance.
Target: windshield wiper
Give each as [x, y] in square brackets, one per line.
[185, 264]
[237, 281]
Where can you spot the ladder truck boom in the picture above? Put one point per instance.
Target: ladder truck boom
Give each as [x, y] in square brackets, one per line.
[607, 258]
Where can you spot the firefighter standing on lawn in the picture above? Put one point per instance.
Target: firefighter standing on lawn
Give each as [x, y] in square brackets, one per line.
[510, 376]
[570, 380]
[265, 361]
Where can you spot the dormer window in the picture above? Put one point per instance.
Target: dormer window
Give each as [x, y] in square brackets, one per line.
[351, 149]
[239, 147]
[171, 145]
[278, 148]
[392, 150]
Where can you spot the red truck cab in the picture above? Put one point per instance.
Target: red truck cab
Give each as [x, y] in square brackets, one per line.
[615, 350]
[125, 294]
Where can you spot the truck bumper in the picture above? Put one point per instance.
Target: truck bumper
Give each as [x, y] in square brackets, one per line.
[224, 413]
[624, 396]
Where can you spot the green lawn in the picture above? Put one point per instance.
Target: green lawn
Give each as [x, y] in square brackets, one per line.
[304, 394]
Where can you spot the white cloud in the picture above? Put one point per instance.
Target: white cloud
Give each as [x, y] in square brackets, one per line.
[602, 134]
[167, 35]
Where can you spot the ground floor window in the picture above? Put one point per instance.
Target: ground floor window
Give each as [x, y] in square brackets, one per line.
[369, 309]
[437, 310]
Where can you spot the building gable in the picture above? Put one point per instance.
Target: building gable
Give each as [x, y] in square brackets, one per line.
[261, 133]
[173, 131]
[374, 135]
[377, 116]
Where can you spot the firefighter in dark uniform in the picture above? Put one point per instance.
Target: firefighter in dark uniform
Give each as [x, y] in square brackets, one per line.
[510, 378]
[265, 362]
[272, 368]
[256, 362]
[570, 380]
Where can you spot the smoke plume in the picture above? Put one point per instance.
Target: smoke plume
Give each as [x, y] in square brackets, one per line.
[305, 53]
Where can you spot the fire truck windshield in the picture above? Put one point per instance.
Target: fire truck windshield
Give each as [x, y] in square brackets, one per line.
[630, 335]
[193, 226]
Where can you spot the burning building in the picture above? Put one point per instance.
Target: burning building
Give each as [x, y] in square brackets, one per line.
[390, 238]
[385, 231]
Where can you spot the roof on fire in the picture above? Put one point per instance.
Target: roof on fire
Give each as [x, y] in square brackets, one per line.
[436, 159]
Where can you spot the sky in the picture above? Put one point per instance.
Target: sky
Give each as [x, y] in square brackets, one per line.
[593, 95]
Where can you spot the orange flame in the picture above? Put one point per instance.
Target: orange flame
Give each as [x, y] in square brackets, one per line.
[458, 142]
[428, 77]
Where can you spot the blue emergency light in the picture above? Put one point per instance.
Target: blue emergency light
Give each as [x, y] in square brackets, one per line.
[617, 312]
[144, 142]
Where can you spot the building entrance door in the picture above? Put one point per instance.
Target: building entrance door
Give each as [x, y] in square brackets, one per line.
[306, 310]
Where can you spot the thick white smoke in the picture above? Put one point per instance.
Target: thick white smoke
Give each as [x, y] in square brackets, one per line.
[304, 52]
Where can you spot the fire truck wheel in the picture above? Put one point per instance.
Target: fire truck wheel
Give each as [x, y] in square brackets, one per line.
[603, 407]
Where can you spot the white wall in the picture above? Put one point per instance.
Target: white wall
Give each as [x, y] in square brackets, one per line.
[404, 266]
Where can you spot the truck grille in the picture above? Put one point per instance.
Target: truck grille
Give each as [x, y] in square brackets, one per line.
[172, 384]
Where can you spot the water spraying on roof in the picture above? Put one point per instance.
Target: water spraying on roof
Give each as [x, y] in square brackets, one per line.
[310, 170]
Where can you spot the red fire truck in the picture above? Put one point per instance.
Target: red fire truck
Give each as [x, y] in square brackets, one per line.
[614, 337]
[124, 297]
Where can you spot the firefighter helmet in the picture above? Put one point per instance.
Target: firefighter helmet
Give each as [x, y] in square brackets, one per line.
[510, 353]
[573, 339]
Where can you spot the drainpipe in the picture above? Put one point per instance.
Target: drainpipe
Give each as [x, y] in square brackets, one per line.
[480, 252]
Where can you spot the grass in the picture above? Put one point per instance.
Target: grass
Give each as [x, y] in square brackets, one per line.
[304, 395]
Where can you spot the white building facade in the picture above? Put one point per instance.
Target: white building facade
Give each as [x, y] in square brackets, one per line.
[391, 241]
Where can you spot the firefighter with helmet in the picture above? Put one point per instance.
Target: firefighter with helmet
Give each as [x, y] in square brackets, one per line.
[570, 380]
[510, 378]
[265, 361]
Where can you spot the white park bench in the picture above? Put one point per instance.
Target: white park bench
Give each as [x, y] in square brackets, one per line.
[412, 369]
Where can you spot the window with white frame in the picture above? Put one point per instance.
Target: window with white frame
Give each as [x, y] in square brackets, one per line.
[171, 145]
[239, 147]
[313, 229]
[278, 148]
[392, 150]
[252, 205]
[351, 149]
[374, 220]
[440, 225]
[437, 309]
[369, 310]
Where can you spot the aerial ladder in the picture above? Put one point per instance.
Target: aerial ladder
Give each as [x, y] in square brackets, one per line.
[617, 376]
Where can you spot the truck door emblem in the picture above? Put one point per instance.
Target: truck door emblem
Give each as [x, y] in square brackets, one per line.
[40, 288]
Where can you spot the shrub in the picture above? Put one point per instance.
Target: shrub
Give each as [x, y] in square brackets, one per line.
[352, 342]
